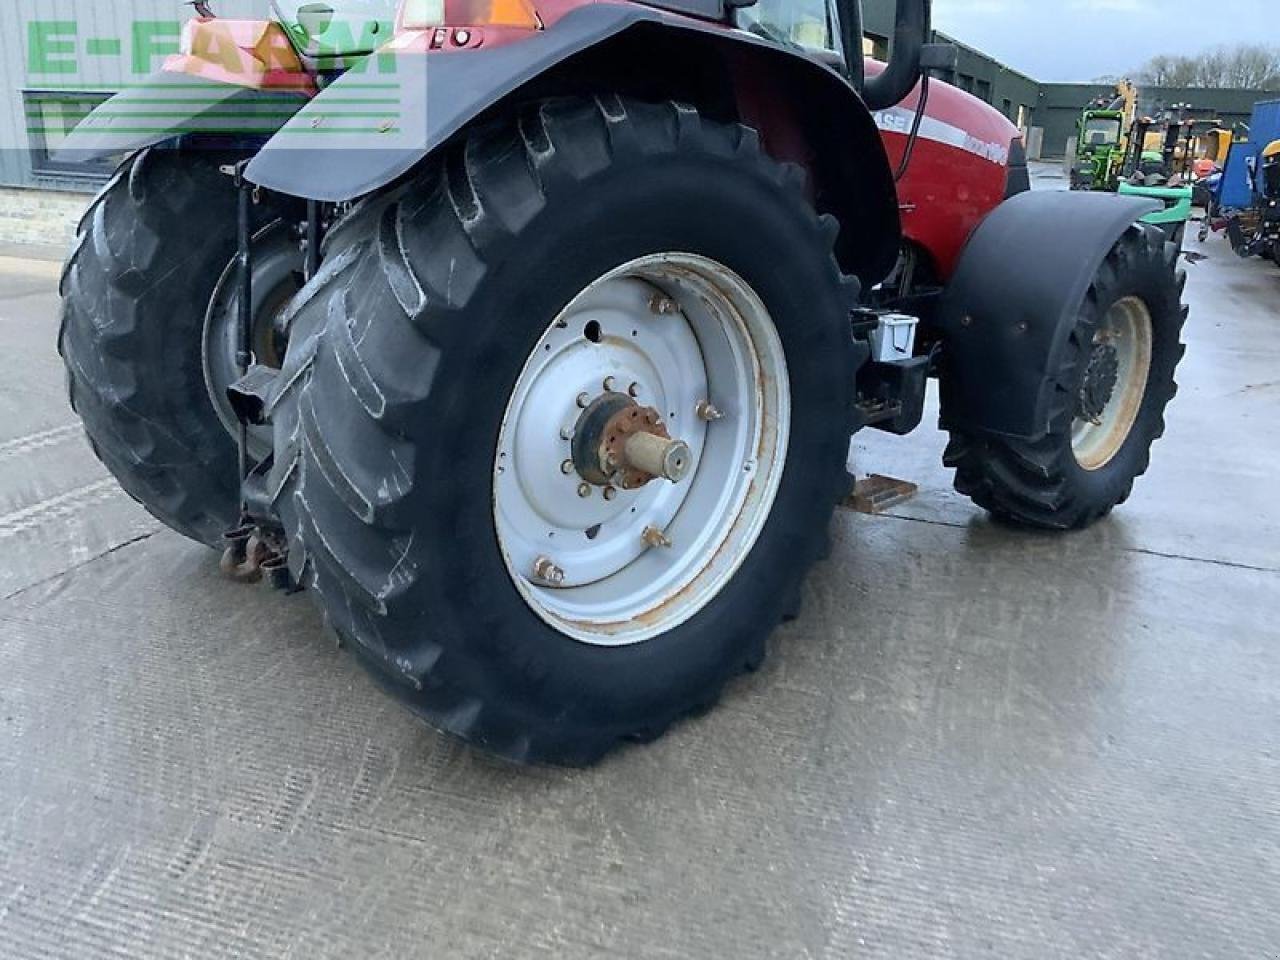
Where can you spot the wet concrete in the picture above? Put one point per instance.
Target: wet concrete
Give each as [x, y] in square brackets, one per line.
[974, 742]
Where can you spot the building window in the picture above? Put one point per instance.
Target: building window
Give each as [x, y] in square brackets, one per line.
[50, 116]
[875, 46]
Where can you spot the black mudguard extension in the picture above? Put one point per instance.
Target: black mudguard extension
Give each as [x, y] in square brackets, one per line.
[188, 105]
[1013, 301]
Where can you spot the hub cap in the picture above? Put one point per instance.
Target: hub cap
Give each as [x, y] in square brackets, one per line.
[1115, 382]
[642, 449]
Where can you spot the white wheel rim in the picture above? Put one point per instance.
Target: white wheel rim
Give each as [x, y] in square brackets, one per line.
[1127, 330]
[683, 330]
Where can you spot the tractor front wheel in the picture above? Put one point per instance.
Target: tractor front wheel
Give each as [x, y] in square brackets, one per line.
[149, 334]
[1110, 390]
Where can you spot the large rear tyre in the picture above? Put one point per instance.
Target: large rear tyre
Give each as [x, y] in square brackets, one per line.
[597, 261]
[139, 337]
[1110, 392]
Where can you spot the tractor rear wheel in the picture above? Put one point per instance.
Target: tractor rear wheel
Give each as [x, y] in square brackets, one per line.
[1110, 391]
[574, 425]
[148, 334]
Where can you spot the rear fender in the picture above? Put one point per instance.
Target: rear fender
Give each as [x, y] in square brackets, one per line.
[1008, 312]
[814, 117]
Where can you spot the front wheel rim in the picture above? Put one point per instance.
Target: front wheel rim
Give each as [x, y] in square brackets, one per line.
[277, 273]
[1103, 424]
[681, 335]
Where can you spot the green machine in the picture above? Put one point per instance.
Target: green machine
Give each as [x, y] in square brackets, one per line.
[1177, 207]
[1100, 150]
[1147, 172]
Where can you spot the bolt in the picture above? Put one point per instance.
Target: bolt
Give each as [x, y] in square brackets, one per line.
[584, 490]
[546, 571]
[655, 537]
[583, 400]
[663, 305]
[609, 384]
[610, 493]
[566, 467]
[708, 411]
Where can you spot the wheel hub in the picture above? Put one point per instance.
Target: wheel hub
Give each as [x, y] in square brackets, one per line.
[277, 273]
[618, 443]
[1100, 380]
[1114, 383]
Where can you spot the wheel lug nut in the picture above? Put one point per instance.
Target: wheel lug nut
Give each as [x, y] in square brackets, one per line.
[566, 433]
[655, 537]
[633, 390]
[584, 490]
[583, 400]
[609, 384]
[610, 493]
[708, 411]
[566, 467]
[546, 571]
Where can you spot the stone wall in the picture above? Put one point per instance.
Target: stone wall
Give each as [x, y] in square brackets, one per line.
[44, 218]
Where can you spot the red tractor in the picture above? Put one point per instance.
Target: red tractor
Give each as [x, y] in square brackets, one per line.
[531, 344]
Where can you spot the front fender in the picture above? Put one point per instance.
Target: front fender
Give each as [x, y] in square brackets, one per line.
[1014, 300]
[169, 105]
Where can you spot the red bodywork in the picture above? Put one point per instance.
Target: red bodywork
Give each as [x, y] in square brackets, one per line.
[959, 168]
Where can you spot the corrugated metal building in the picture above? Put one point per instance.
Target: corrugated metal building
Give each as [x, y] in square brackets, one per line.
[61, 57]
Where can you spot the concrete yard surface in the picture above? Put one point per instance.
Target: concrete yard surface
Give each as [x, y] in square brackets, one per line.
[974, 742]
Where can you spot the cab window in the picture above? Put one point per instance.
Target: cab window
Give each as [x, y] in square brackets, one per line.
[808, 24]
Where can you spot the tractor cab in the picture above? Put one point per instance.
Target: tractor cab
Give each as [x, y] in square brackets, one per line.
[1101, 130]
[1098, 150]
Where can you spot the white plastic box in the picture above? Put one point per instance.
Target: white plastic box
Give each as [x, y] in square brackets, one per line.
[894, 338]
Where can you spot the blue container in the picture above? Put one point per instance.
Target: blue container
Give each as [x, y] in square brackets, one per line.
[1266, 123]
[1236, 189]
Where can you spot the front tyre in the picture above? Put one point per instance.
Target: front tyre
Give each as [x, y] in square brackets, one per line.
[1115, 379]
[148, 302]
[467, 495]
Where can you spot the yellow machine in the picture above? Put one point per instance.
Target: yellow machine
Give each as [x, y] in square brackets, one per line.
[1270, 163]
[1214, 145]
